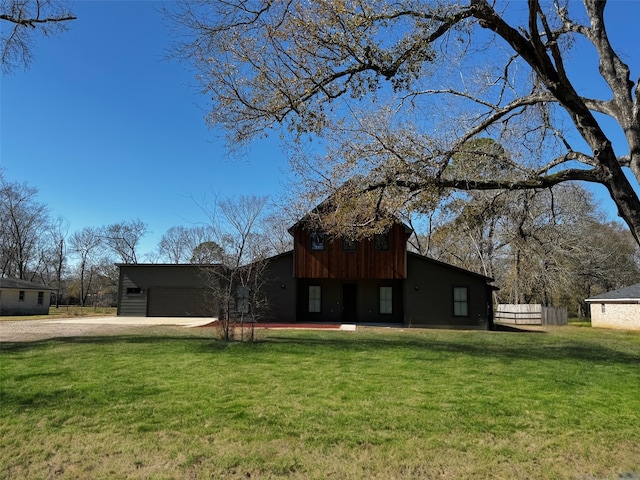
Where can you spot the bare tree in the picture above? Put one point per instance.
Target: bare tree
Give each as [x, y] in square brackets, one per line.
[179, 244]
[21, 20]
[57, 252]
[207, 253]
[123, 238]
[468, 233]
[555, 256]
[172, 245]
[398, 88]
[23, 223]
[235, 223]
[610, 261]
[276, 226]
[86, 245]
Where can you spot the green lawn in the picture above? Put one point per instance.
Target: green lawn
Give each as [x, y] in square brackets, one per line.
[371, 404]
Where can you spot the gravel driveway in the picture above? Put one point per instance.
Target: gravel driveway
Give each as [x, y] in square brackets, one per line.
[30, 330]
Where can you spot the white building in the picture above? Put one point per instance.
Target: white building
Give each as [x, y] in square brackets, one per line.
[617, 309]
[20, 297]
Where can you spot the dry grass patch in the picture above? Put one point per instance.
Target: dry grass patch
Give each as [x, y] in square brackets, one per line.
[64, 312]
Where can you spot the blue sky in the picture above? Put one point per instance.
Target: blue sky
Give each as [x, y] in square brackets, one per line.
[107, 129]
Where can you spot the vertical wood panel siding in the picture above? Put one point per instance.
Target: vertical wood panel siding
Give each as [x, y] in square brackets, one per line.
[365, 262]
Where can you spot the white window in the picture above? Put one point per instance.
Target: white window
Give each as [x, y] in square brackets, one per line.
[40, 298]
[315, 297]
[386, 300]
[460, 302]
[21, 296]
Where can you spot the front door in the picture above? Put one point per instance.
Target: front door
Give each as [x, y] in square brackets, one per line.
[350, 302]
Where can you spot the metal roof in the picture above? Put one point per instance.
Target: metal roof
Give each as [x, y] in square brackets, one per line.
[631, 292]
[22, 284]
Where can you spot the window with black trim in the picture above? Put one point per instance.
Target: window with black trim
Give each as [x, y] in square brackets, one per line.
[242, 300]
[460, 301]
[381, 241]
[317, 240]
[349, 245]
[21, 296]
[134, 291]
[386, 300]
[315, 298]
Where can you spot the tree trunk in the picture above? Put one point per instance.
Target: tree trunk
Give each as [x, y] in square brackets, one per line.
[624, 196]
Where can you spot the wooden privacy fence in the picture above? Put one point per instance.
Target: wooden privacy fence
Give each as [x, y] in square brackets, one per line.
[530, 314]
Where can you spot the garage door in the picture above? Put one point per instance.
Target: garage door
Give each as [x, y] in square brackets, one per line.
[180, 302]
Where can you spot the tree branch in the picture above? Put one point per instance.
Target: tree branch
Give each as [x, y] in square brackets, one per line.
[33, 22]
[592, 176]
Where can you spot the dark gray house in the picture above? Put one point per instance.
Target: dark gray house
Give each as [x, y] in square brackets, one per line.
[325, 279]
[373, 281]
[153, 290]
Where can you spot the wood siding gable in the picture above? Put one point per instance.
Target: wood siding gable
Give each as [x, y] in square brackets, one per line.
[365, 262]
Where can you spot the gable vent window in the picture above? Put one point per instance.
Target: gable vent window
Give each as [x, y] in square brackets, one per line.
[317, 240]
[381, 242]
[460, 301]
[349, 245]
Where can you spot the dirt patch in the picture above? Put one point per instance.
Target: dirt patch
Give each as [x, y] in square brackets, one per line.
[34, 330]
[31, 330]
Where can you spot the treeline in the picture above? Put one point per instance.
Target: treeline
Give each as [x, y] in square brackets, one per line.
[541, 246]
[81, 264]
[37, 247]
[550, 246]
